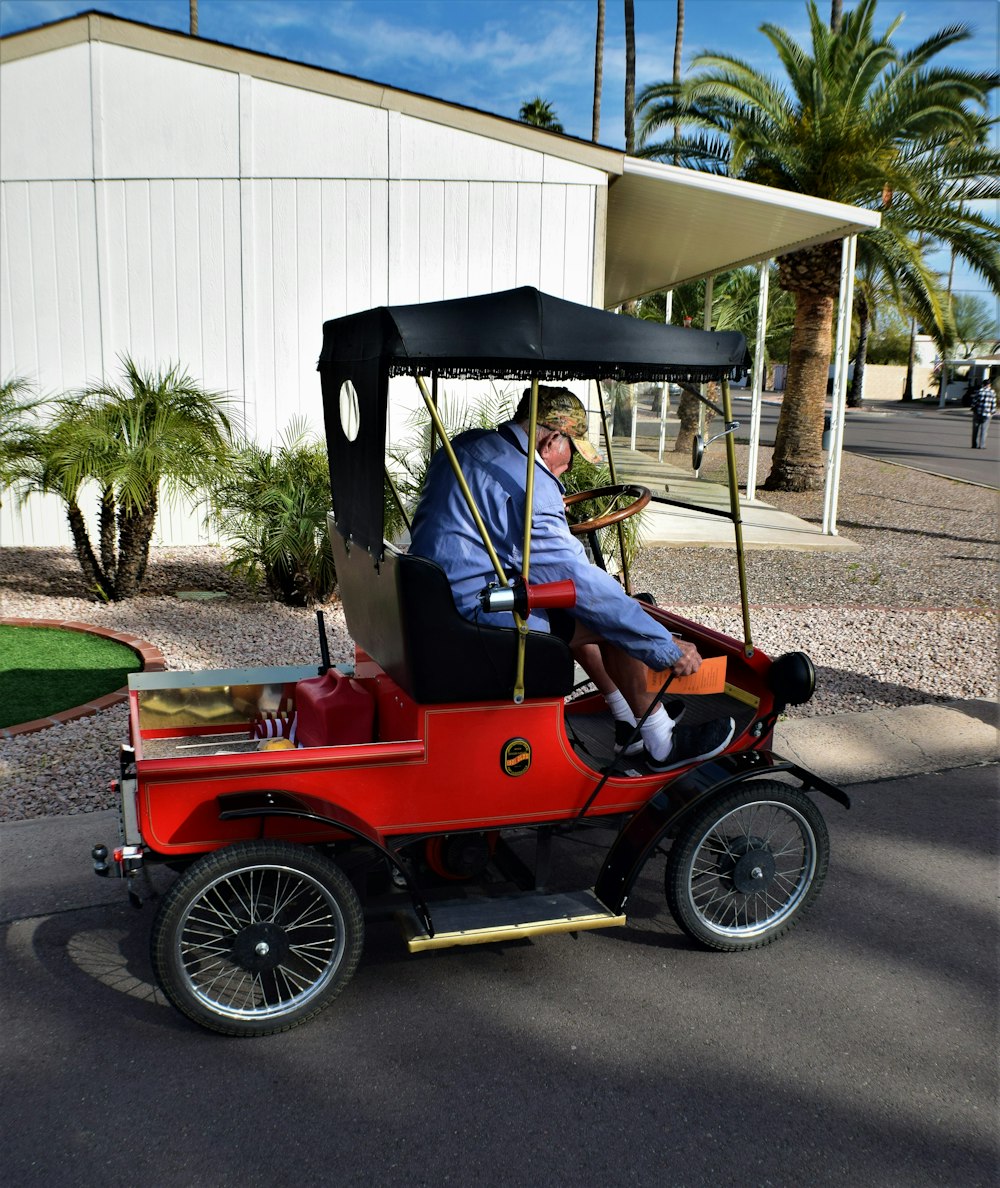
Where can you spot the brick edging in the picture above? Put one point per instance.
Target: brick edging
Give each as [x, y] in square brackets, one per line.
[152, 661]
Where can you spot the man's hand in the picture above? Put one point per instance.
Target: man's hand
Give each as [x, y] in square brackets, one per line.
[690, 660]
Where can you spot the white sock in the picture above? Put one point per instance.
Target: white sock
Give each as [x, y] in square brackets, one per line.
[657, 733]
[619, 707]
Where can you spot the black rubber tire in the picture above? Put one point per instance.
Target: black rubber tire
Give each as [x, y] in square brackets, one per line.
[746, 865]
[257, 938]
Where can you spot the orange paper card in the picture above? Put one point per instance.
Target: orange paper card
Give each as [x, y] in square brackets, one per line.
[710, 678]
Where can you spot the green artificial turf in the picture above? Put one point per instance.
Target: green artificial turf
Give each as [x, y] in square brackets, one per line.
[44, 670]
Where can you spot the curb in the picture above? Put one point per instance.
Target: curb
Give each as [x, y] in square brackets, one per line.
[890, 743]
[151, 658]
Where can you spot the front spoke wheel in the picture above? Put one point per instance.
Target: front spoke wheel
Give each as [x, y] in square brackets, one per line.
[746, 865]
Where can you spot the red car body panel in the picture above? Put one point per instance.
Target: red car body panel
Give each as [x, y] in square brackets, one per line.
[432, 769]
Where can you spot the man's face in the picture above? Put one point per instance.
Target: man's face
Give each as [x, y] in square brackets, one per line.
[556, 452]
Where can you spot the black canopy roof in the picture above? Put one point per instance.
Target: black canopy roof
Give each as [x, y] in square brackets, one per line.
[523, 333]
[516, 335]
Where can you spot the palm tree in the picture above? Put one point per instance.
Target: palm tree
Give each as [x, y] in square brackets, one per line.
[18, 429]
[975, 328]
[735, 296]
[892, 272]
[629, 77]
[154, 429]
[867, 284]
[678, 57]
[859, 122]
[598, 72]
[540, 113]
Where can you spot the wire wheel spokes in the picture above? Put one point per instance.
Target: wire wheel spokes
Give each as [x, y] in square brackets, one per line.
[260, 940]
[751, 868]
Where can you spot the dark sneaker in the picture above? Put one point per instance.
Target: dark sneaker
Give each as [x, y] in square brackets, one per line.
[694, 743]
[624, 732]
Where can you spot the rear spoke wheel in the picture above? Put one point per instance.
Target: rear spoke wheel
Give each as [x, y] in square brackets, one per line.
[257, 938]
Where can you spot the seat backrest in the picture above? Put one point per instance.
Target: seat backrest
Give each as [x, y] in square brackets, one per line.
[403, 614]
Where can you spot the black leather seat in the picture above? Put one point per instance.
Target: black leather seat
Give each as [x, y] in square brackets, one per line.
[403, 615]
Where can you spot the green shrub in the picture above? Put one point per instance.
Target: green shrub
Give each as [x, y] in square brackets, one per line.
[271, 508]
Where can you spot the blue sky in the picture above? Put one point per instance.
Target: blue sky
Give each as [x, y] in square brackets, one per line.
[495, 54]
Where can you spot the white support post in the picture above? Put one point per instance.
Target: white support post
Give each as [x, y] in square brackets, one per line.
[757, 378]
[838, 412]
[665, 394]
[706, 322]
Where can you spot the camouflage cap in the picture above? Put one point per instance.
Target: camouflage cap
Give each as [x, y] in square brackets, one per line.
[559, 409]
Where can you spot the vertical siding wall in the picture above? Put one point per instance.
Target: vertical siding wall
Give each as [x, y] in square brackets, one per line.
[182, 212]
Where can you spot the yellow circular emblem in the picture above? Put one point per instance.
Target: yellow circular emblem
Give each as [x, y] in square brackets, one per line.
[515, 756]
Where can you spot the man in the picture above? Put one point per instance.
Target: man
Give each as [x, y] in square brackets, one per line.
[608, 631]
[984, 405]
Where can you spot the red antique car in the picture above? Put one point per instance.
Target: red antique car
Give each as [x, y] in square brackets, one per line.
[434, 777]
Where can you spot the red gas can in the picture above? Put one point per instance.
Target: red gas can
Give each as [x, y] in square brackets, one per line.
[333, 710]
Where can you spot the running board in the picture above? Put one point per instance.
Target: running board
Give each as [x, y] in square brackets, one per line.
[508, 917]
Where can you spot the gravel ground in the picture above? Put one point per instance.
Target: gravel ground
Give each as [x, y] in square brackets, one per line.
[908, 619]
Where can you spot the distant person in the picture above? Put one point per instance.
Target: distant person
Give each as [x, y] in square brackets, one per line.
[984, 405]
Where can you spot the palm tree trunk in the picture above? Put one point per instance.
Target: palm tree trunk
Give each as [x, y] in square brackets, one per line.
[598, 72]
[135, 531]
[629, 77]
[622, 403]
[85, 555]
[193, 15]
[106, 522]
[687, 414]
[836, 14]
[797, 464]
[854, 396]
[911, 361]
[678, 47]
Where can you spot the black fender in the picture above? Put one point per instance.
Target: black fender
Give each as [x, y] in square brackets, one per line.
[276, 803]
[644, 831]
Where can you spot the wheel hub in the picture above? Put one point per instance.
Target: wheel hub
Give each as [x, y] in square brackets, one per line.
[260, 947]
[754, 872]
[748, 864]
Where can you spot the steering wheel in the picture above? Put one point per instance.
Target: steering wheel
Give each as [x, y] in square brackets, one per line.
[640, 496]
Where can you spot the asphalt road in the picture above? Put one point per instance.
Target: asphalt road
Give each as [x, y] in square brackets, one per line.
[861, 1049]
[918, 435]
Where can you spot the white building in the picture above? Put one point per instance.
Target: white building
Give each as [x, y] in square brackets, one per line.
[182, 200]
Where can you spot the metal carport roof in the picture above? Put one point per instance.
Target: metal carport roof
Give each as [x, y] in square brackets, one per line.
[667, 225]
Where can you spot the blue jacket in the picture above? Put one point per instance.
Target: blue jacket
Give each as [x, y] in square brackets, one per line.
[495, 470]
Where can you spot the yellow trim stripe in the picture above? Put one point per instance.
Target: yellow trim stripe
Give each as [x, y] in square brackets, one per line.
[485, 936]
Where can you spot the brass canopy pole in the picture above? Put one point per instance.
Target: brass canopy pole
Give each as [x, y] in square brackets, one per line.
[529, 503]
[529, 483]
[434, 397]
[734, 505]
[626, 578]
